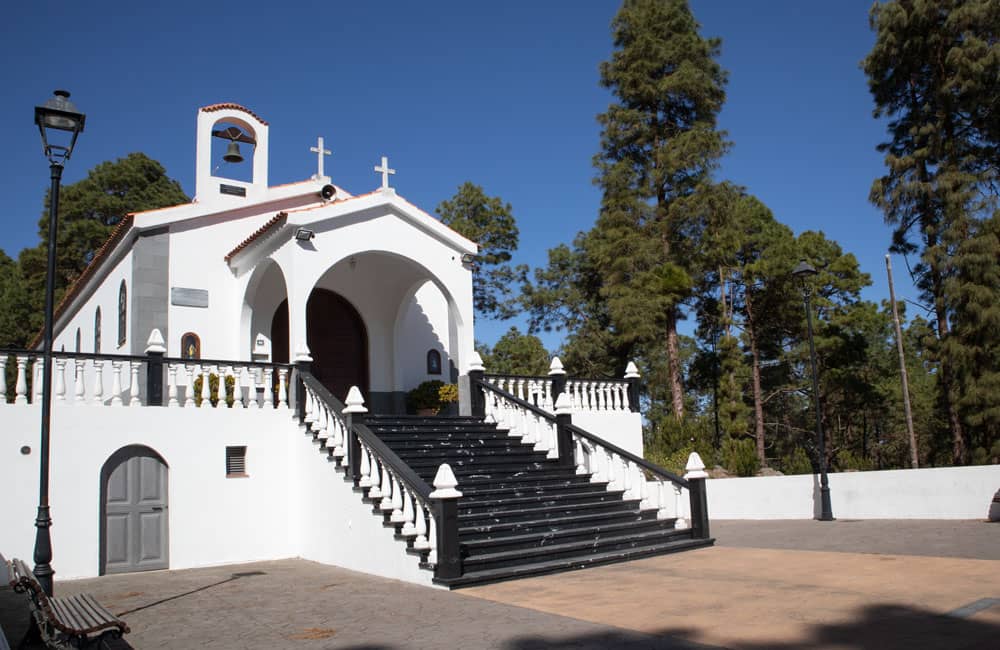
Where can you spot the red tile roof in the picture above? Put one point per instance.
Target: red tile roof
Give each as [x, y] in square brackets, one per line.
[277, 219]
[116, 236]
[236, 107]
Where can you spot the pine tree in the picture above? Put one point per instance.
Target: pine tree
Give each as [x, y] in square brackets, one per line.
[934, 71]
[659, 146]
[489, 222]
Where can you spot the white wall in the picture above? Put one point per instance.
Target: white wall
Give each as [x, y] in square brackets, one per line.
[623, 429]
[933, 493]
[104, 296]
[422, 326]
[212, 519]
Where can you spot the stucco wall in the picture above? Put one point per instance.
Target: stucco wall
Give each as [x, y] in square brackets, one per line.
[623, 429]
[933, 493]
[104, 296]
[212, 519]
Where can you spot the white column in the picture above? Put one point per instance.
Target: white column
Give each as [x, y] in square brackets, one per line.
[60, 379]
[133, 387]
[172, 384]
[282, 380]
[98, 382]
[21, 384]
[79, 389]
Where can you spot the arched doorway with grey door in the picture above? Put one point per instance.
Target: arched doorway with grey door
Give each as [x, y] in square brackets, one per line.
[134, 516]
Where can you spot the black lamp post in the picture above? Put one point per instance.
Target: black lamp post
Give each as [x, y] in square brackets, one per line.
[60, 123]
[804, 271]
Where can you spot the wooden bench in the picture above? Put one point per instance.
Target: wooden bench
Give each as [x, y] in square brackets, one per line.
[71, 621]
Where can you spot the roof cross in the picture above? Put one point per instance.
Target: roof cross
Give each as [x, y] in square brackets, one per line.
[320, 152]
[384, 169]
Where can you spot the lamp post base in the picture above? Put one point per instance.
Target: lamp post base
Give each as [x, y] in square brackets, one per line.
[43, 550]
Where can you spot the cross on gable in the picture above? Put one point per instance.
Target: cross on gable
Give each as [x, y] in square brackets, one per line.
[320, 152]
[385, 171]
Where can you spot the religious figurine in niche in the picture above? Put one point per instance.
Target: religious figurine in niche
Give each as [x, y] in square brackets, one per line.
[190, 346]
[433, 362]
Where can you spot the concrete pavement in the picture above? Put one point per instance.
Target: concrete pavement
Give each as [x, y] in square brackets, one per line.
[854, 590]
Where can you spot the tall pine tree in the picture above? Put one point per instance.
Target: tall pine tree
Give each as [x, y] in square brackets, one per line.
[934, 72]
[659, 146]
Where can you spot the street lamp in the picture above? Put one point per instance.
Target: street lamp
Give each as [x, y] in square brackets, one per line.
[804, 272]
[60, 123]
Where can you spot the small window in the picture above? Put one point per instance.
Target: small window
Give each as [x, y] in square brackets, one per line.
[236, 462]
[122, 312]
[433, 362]
[190, 346]
[97, 331]
[77, 339]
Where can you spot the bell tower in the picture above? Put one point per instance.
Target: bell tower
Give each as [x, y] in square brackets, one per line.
[231, 155]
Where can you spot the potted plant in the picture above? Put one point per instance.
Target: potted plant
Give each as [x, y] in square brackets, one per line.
[447, 396]
[425, 399]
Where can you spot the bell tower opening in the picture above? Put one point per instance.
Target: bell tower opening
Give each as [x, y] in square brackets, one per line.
[232, 154]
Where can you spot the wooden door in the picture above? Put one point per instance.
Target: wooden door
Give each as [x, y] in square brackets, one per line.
[338, 343]
[135, 514]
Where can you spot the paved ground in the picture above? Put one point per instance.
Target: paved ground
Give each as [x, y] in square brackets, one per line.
[866, 585]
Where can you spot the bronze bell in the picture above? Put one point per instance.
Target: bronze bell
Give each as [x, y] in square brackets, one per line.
[233, 154]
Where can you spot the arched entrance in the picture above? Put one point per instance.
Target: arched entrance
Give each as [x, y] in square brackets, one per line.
[337, 339]
[133, 532]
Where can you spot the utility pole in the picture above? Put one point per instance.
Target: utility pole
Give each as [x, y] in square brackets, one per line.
[914, 460]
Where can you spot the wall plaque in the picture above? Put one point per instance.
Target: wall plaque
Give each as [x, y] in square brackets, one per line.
[183, 297]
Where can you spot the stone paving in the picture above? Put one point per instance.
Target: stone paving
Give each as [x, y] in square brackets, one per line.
[853, 588]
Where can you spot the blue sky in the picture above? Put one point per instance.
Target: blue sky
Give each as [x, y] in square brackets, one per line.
[502, 94]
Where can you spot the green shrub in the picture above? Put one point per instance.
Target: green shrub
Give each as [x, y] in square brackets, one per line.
[425, 396]
[797, 462]
[739, 456]
[213, 389]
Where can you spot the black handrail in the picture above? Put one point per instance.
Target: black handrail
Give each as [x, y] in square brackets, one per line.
[400, 469]
[642, 462]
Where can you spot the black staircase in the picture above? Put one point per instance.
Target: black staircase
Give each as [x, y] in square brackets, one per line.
[522, 514]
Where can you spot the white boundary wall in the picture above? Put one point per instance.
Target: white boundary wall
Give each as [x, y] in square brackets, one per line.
[292, 504]
[933, 493]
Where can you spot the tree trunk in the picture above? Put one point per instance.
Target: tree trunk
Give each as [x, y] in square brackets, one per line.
[674, 366]
[758, 398]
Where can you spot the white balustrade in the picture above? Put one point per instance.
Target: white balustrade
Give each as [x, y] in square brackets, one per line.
[60, 391]
[133, 386]
[420, 542]
[282, 392]
[172, 385]
[116, 384]
[21, 386]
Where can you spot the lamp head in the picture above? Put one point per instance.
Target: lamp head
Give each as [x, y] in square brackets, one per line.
[804, 270]
[59, 122]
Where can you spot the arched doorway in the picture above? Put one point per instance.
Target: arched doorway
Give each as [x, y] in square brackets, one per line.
[133, 532]
[337, 339]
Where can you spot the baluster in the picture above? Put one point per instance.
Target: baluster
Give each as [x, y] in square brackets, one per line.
[3, 378]
[338, 437]
[397, 501]
[612, 471]
[322, 428]
[627, 479]
[420, 543]
[578, 458]
[79, 389]
[60, 379]
[553, 437]
[681, 523]
[404, 509]
[376, 489]
[385, 505]
[661, 500]
[205, 396]
[21, 385]
[172, 385]
[38, 370]
[189, 389]
[133, 386]
[645, 500]
[238, 387]
[98, 382]
[282, 388]
[520, 390]
[432, 539]
[268, 390]
[366, 468]
[116, 384]
[626, 405]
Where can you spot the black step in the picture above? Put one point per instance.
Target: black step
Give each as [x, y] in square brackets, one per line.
[536, 512]
[498, 506]
[550, 524]
[570, 549]
[531, 540]
[569, 564]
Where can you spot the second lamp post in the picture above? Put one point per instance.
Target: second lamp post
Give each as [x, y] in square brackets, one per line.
[804, 271]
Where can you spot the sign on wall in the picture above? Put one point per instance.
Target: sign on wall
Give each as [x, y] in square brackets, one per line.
[183, 297]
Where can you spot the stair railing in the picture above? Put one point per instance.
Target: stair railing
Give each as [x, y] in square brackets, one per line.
[600, 395]
[655, 487]
[427, 516]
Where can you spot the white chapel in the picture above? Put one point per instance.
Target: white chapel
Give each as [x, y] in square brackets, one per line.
[374, 289]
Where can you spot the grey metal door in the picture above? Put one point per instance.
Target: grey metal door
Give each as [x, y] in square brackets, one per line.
[135, 512]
